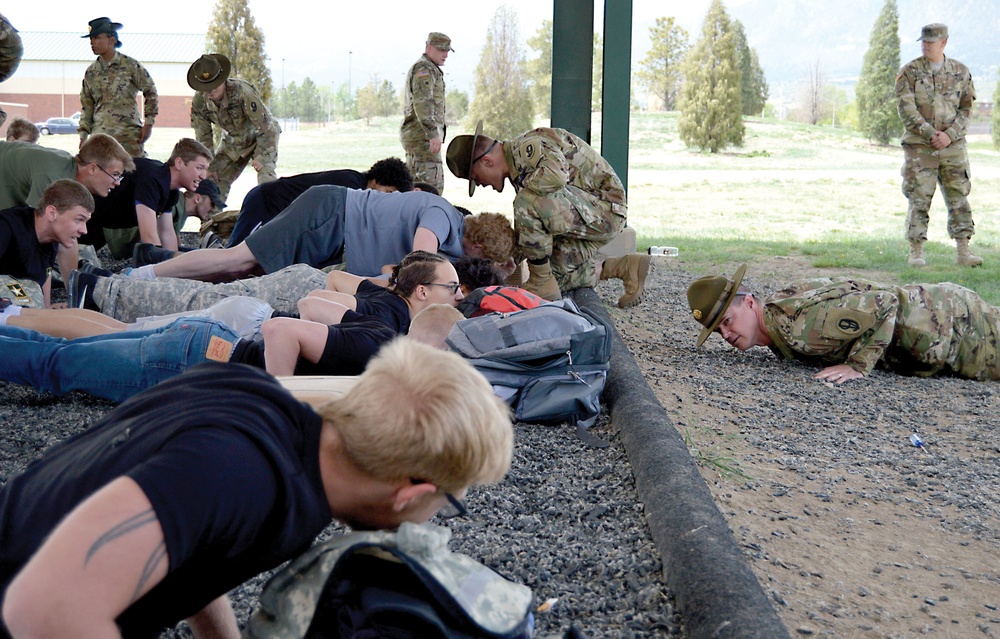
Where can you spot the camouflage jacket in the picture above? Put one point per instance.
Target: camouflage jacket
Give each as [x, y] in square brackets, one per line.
[929, 101]
[11, 49]
[107, 99]
[243, 117]
[423, 102]
[916, 329]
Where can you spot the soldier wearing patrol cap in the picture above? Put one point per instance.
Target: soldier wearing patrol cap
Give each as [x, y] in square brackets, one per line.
[249, 133]
[569, 204]
[11, 51]
[110, 84]
[934, 96]
[423, 130]
[852, 325]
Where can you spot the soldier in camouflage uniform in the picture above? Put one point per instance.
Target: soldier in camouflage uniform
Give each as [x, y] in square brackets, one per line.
[423, 130]
[934, 96]
[569, 204]
[852, 325]
[11, 51]
[249, 133]
[110, 84]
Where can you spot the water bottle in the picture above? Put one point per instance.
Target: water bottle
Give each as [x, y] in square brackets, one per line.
[916, 441]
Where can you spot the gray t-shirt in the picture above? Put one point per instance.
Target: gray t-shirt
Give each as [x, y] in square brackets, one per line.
[379, 227]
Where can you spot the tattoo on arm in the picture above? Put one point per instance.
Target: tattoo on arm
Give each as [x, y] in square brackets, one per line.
[116, 531]
[147, 571]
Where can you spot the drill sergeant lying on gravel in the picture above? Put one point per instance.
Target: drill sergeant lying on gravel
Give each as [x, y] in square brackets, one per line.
[340, 342]
[155, 512]
[852, 325]
[327, 225]
[569, 204]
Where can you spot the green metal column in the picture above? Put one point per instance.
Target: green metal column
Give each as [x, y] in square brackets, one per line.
[572, 65]
[616, 94]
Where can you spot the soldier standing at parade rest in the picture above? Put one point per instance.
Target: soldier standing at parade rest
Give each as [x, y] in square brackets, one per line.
[11, 51]
[569, 204]
[110, 84]
[934, 96]
[852, 325]
[249, 133]
[424, 128]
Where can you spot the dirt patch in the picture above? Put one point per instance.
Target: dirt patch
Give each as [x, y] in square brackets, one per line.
[851, 530]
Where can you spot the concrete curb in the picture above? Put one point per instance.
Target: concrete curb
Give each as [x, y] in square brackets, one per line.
[716, 594]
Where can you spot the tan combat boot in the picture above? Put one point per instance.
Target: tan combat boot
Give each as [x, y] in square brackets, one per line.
[917, 254]
[965, 256]
[632, 271]
[542, 283]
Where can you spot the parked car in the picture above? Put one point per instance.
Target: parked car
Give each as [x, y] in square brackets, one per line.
[58, 125]
[76, 116]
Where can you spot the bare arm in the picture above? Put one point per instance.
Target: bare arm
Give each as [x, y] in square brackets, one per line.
[146, 218]
[425, 240]
[210, 265]
[67, 260]
[47, 292]
[165, 229]
[343, 282]
[344, 299]
[103, 556]
[69, 323]
[286, 339]
[318, 308]
[215, 621]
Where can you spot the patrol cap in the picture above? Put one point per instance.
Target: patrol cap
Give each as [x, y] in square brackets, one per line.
[459, 155]
[934, 32]
[211, 189]
[439, 40]
[710, 296]
[97, 26]
[209, 71]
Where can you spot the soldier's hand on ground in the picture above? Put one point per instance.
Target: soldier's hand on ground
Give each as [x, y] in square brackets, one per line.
[435, 145]
[837, 374]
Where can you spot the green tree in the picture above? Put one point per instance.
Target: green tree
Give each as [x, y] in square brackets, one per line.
[876, 92]
[995, 116]
[368, 102]
[710, 102]
[388, 100]
[309, 107]
[503, 98]
[288, 101]
[234, 33]
[753, 85]
[345, 103]
[661, 71]
[540, 69]
[458, 105]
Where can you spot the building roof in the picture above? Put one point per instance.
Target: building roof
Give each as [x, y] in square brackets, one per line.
[145, 47]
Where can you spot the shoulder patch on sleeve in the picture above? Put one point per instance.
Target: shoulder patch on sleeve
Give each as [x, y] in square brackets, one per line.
[848, 323]
[253, 106]
[423, 73]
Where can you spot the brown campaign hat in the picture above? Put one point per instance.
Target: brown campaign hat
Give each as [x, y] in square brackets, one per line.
[710, 296]
[933, 32]
[209, 71]
[460, 155]
[439, 41]
[97, 26]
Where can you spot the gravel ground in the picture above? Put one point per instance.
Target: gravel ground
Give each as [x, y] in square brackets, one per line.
[565, 521]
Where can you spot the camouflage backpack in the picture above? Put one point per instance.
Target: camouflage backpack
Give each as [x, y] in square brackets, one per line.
[22, 291]
[403, 584]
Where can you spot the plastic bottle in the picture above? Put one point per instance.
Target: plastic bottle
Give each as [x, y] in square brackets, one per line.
[916, 441]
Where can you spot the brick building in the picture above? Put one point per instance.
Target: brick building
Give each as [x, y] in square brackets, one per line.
[47, 83]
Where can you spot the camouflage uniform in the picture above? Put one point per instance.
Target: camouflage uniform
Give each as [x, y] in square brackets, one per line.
[108, 105]
[249, 133]
[11, 51]
[569, 202]
[916, 329]
[126, 299]
[423, 120]
[929, 101]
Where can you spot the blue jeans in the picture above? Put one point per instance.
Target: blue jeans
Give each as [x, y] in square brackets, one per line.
[114, 366]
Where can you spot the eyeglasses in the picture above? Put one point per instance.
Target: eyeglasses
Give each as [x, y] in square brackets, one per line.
[117, 177]
[454, 508]
[452, 288]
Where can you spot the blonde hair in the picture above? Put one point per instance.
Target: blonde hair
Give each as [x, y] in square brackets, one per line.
[188, 150]
[21, 130]
[64, 195]
[494, 233]
[425, 414]
[102, 149]
[432, 325]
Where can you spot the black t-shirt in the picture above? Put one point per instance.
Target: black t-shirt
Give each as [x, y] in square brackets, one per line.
[229, 461]
[21, 254]
[378, 301]
[149, 184]
[277, 195]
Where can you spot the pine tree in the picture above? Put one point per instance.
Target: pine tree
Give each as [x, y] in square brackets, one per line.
[753, 86]
[876, 94]
[661, 71]
[234, 33]
[503, 98]
[540, 69]
[995, 116]
[710, 103]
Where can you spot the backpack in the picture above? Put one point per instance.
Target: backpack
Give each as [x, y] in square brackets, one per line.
[405, 584]
[498, 299]
[548, 363]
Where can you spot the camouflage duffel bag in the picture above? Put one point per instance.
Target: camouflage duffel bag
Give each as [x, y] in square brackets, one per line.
[22, 291]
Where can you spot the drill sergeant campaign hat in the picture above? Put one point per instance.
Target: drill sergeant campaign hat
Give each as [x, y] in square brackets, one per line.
[933, 33]
[97, 26]
[209, 71]
[460, 155]
[710, 296]
[439, 41]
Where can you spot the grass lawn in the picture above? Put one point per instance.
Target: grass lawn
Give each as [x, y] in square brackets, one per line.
[825, 194]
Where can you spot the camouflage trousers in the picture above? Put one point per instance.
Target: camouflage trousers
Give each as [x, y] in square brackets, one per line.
[923, 167]
[569, 227]
[128, 135]
[227, 170]
[127, 299]
[426, 167]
